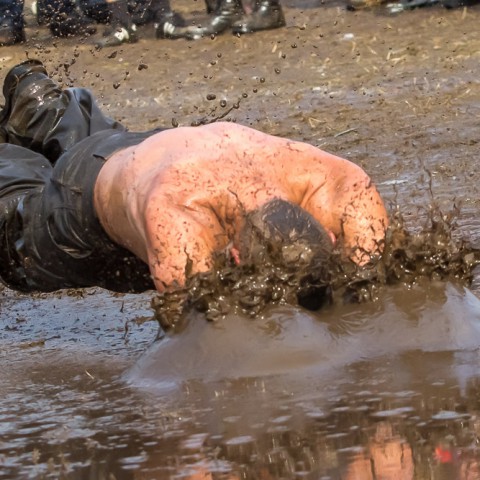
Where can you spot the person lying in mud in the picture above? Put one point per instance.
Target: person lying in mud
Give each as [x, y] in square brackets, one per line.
[86, 203]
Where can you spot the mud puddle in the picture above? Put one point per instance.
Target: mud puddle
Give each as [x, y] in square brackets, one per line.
[391, 385]
[390, 390]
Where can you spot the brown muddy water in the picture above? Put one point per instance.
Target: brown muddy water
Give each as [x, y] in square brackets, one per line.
[381, 390]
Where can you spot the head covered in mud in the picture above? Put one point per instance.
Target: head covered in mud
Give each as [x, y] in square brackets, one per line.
[285, 257]
[288, 257]
[282, 235]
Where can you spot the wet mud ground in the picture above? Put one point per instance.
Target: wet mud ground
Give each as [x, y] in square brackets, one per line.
[382, 390]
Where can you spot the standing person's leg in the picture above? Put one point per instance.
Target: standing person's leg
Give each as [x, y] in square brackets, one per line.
[168, 24]
[11, 22]
[63, 18]
[97, 10]
[266, 15]
[21, 172]
[223, 17]
[123, 28]
[42, 117]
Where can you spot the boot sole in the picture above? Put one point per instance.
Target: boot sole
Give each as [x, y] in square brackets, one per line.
[11, 82]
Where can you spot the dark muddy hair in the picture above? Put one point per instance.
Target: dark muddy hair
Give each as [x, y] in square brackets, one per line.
[290, 237]
[274, 275]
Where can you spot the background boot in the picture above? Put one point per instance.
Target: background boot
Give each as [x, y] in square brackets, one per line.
[268, 14]
[226, 14]
[167, 23]
[11, 22]
[170, 25]
[211, 5]
[11, 32]
[63, 18]
[123, 29]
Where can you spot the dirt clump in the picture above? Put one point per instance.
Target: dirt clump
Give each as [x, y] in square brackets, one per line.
[433, 252]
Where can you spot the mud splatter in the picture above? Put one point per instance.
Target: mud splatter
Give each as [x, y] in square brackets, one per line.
[433, 252]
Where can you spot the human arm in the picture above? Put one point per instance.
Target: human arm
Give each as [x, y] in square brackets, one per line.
[361, 215]
[357, 212]
[343, 198]
[177, 243]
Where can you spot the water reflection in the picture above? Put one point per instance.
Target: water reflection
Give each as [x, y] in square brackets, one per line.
[390, 391]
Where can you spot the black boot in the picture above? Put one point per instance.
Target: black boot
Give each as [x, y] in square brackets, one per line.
[170, 25]
[63, 18]
[226, 14]
[167, 23]
[267, 15]
[10, 85]
[123, 29]
[41, 116]
[73, 25]
[212, 5]
[11, 32]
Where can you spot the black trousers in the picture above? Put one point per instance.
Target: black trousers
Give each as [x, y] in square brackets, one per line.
[50, 237]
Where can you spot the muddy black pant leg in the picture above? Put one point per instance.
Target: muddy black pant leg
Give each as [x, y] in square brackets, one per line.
[63, 243]
[11, 12]
[22, 173]
[49, 120]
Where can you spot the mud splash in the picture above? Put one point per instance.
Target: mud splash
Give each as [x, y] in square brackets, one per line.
[432, 252]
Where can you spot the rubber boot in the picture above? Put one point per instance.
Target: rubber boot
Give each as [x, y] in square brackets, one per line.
[97, 10]
[167, 24]
[226, 14]
[63, 18]
[267, 15]
[211, 5]
[123, 29]
[11, 32]
[11, 22]
[42, 117]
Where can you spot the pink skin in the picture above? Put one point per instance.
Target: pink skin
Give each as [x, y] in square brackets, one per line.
[235, 254]
[174, 199]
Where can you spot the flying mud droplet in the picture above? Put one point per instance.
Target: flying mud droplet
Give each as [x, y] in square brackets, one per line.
[277, 70]
[116, 85]
[433, 253]
[142, 66]
[113, 54]
[174, 123]
[211, 96]
[223, 103]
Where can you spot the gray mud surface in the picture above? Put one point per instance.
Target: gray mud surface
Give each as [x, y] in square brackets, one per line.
[382, 390]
